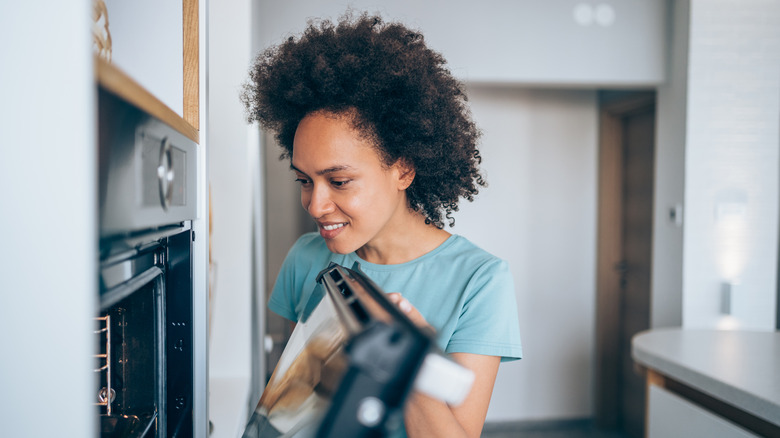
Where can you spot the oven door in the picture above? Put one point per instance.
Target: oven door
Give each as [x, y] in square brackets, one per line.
[131, 362]
[145, 360]
[178, 335]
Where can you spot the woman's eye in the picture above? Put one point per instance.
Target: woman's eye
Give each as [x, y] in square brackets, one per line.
[303, 181]
[339, 183]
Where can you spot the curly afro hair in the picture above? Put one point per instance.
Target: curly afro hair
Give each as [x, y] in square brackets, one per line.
[396, 91]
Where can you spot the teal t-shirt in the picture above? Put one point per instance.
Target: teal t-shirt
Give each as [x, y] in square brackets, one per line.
[464, 292]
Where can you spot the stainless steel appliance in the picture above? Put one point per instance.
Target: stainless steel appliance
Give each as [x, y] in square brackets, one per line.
[144, 331]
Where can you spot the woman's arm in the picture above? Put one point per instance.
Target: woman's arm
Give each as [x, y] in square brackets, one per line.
[427, 417]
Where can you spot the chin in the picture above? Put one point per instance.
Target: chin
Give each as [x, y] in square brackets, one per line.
[337, 248]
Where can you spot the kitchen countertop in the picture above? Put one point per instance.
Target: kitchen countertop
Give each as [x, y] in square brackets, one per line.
[741, 368]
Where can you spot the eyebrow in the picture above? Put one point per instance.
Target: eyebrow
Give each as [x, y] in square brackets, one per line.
[323, 171]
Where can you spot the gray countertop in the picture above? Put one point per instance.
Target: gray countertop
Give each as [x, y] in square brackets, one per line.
[739, 367]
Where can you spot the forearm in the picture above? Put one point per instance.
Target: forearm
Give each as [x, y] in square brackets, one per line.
[426, 417]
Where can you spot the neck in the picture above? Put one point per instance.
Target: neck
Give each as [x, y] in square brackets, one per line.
[406, 240]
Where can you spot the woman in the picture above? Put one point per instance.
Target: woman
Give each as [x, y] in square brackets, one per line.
[383, 146]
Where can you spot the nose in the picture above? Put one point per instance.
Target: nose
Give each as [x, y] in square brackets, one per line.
[317, 201]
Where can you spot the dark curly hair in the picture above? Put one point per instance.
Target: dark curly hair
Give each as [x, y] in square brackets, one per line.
[396, 91]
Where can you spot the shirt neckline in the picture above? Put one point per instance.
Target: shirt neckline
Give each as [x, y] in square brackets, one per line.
[379, 267]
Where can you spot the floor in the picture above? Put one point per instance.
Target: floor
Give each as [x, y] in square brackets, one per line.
[567, 429]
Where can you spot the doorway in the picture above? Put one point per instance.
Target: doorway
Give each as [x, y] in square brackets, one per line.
[625, 214]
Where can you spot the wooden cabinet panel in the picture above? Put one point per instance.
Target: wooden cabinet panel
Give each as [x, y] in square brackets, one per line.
[153, 49]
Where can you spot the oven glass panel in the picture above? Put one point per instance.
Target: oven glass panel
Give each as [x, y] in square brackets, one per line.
[129, 386]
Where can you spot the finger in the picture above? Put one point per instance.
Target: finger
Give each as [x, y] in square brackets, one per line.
[405, 305]
[402, 303]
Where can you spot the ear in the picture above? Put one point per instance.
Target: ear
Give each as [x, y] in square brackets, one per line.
[406, 173]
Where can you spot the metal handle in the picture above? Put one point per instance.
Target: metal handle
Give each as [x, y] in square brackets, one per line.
[165, 173]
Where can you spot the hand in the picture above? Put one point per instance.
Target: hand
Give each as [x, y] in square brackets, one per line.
[409, 310]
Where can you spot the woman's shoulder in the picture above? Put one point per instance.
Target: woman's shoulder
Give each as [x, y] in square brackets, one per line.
[461, 258]
[471, 253]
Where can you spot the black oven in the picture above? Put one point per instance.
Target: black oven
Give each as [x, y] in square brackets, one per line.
[144, 329]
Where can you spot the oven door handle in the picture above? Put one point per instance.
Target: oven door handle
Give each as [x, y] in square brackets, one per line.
[119, 292]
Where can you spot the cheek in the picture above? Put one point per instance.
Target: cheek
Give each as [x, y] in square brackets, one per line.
[372, 201]
[358, 203]
[305, 199]
[353, 204]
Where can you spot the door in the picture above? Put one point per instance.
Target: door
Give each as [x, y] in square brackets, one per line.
[627, 151]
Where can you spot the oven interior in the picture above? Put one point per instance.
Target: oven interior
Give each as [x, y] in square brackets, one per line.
[129, 363]
[144, 338]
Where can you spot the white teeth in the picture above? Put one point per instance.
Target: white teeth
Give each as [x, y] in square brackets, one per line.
[332, 227]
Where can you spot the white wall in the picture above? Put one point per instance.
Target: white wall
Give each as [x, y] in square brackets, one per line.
[234, 164]
[732, 156]
[539, 213]
[551, 42]
[48, 187]
[669, 192]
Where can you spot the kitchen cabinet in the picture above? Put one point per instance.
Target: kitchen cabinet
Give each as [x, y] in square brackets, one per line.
[118, 82]
[671, 415]
[156, 45]
[710, 382]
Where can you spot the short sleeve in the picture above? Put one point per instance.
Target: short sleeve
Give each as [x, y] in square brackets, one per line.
[488, 323]
[283, 299]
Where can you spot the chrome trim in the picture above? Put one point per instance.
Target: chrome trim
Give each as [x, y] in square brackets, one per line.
[116, 294]
[118, 273]
[165, 174]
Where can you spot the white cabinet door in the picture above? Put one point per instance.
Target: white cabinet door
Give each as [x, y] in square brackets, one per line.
[672, 416]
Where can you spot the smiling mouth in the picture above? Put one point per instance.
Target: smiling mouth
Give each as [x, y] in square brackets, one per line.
[333, 227]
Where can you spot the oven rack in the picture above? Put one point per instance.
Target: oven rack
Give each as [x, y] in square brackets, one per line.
[106, 394]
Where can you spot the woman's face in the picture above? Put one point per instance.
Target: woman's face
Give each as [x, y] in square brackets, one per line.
[353, 197]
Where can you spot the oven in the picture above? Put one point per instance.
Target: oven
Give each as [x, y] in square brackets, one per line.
[144, 327]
